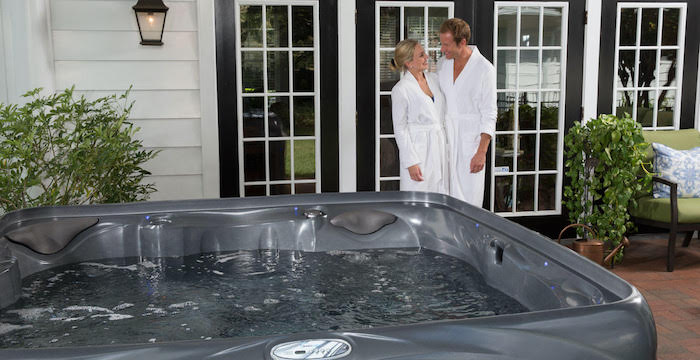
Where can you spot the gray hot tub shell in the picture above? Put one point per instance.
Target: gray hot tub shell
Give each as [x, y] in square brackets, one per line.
[579, 310]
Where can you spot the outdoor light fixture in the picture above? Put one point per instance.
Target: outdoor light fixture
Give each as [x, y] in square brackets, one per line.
[150, 16]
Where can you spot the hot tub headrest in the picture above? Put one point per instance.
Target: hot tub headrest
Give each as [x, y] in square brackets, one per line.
[363, 222]
[50, 237]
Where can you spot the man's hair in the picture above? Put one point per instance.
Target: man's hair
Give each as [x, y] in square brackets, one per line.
[458, 28]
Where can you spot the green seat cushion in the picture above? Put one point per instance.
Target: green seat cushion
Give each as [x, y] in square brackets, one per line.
[660, 210]
[677, 139]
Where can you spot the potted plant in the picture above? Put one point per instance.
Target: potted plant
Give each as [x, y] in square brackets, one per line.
[58, 150]
[603, 161]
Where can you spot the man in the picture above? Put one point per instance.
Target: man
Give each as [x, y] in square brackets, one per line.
[468, 81]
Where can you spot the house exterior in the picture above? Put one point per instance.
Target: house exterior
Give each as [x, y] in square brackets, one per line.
[264, 97]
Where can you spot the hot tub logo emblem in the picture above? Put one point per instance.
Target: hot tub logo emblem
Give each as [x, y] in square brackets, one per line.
[326, 349]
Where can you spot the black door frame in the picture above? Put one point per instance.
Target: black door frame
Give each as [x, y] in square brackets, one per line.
[366, 113]
[229, 177]
[690, 59]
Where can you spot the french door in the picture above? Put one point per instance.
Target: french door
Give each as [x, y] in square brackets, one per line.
[277, 96]
[648, 69]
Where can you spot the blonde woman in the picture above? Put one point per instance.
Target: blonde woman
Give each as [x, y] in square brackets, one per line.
[417, 114]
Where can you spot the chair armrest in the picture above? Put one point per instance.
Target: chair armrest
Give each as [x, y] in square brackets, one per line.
[674, 197]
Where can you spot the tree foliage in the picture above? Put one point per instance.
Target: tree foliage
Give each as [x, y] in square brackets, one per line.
[57, 150]
[604, 157]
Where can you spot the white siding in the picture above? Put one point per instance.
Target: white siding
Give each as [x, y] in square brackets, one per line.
[96, 48]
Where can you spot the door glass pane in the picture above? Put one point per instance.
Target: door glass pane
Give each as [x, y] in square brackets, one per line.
[527, 111]
[506, 115]
[302, 26]
[436, 15]
[389, 26]
[667, 102]
[624, 101]
[414, 24]
[667, 68]
[507, 25]
[304, 159]
[546, 199]
[669, 35]
[276, 26]
[280, 155]
[551, 28]
[252, 74]
[650, 26]
[645, 107]
[503, 194]
[387, 77]
[278, 116]
[255, 190]
[392, 185]
[529, 26]
[505, 151]
[548, 151]
[647, 68]
[433, 57]
[305, 188]
[549, 107]
[625, 69]
[386, 126]
[551, 69]
[303, 70]
[253, 125]
[277, 71]
[254, 161]
[388, 157]
[304, 117]
[628, 26]
[251, 26]
[526, 193]
[529, 69]
[526, 152]
[280, 189]
[506, 69]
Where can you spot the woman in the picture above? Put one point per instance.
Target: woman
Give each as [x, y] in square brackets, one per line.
[417, 114]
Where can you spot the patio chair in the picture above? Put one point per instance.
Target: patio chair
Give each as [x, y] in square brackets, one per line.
[674, 214]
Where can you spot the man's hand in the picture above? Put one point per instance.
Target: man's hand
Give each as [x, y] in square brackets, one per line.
[478, 161]
[416, 174]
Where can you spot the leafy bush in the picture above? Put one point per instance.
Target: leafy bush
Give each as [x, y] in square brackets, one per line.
[603, 161]
[57, 150]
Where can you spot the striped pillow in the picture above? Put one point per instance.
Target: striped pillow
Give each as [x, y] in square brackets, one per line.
[679, 166]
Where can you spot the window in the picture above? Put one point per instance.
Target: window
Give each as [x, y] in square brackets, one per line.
[277, 57]
[397, 21]
[530, 60]
[649, 63]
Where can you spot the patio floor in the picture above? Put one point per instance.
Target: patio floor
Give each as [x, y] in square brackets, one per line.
[674, 297]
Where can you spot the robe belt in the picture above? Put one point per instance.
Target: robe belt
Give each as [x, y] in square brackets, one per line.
[424, 127]
[456, 124]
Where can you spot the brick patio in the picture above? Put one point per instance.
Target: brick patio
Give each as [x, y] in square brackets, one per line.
[674, 297]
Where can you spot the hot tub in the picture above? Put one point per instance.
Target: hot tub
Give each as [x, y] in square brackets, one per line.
[571, 307]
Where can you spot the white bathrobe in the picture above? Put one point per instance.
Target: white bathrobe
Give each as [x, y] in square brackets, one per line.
[420, 135]
[470, 110]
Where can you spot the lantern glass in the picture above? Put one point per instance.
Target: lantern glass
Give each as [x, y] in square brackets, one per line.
[151, 25]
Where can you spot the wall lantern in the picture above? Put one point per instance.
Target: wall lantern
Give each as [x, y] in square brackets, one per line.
[150, 16]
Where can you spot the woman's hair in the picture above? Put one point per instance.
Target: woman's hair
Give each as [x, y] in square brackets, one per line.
[458, 28]
[403, 54]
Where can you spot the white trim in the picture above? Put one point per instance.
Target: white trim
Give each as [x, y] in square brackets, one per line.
[680, 47]
[591, 59]
[377, 68]
[516, 132]
[291, 95]
[208, 99]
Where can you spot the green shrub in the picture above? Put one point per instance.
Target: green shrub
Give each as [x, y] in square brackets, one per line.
[57, 150]
[603, 161]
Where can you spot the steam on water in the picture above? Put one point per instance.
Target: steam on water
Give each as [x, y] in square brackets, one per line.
[243, 293]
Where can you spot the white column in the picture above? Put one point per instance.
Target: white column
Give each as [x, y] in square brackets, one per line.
[28, 49]
[591, 53]
[208, 98]
[346, 96]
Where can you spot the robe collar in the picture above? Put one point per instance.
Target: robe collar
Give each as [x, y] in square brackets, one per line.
[409, 78]
[475, 54]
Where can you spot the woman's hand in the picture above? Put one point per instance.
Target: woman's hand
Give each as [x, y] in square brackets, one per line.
[416, 174]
